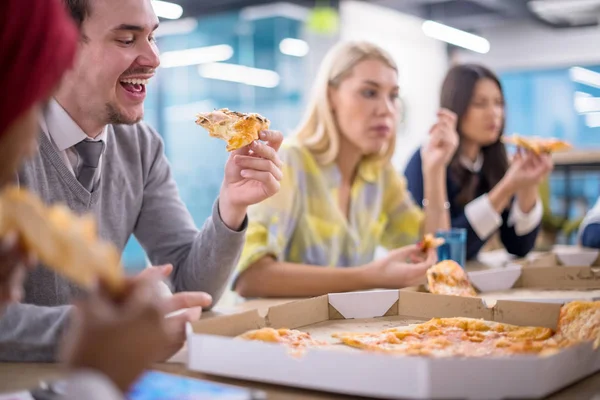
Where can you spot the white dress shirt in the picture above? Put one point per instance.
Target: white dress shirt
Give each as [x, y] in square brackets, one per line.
[592, 217]
[64, 133]
[485, 220]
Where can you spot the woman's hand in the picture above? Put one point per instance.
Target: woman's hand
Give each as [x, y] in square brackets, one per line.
[400, 268]
[443, 142]
[528, 170]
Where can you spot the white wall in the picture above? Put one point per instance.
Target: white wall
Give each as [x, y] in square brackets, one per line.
[528, 46]
[423, 64]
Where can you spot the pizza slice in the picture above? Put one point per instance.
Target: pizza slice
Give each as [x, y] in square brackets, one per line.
[458, 336]
[447, 277]
[579, 321]
[538, 145]
[236, 128]
[290, 337]
[61, 240]
[430, 242]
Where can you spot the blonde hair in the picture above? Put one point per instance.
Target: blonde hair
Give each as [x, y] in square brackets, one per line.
[319, 131]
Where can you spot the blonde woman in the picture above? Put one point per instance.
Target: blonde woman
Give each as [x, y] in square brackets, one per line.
[340, 197]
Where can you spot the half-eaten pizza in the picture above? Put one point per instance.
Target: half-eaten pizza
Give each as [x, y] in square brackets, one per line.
[291, 337]
[462, 337]
[579, 322]
[538, 145]
[447, 277]
[65, 242]
[430, 242]
[235, 128]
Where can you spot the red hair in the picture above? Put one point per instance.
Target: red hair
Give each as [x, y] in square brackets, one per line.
[38, 41]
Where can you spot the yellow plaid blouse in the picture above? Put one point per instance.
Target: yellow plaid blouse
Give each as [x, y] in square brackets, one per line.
[303, 223]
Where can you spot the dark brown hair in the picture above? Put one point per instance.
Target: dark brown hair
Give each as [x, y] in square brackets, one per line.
[79, 10]
[457, 93]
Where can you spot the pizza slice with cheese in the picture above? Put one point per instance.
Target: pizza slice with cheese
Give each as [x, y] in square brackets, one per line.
[538, 145]
[290, 337]
[61, 240]
[458, 336]
[236, 128]
[447, 277]
[579, 321]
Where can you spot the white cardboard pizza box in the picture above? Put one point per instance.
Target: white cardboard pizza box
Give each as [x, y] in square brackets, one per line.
[555, 284]
[495, 279]
[213, 349]
[575, 255]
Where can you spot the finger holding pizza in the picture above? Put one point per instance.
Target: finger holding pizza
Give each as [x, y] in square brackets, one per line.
[406, 266]
[528, 169]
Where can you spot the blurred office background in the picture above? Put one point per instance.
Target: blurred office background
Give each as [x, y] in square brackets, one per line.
[261, 56]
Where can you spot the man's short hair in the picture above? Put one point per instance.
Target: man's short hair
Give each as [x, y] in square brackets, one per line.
[79, 10]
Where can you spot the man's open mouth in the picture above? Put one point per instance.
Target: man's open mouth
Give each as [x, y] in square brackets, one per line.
[134, 85]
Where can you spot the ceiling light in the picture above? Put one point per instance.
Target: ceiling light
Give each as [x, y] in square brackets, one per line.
[199, 55]
[168, 10]
[592, 119]
[456, 37]
[179, 27]
[585, 76]
[273, 10]
[294, 47]
[240, 74]
[563, 6]
[586, 103]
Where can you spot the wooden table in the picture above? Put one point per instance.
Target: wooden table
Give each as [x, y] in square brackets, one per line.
[17, 377]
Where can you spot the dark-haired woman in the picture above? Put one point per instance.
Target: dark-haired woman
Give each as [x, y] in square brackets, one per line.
[486, 191]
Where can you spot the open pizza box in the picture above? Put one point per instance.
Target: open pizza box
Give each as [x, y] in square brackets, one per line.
[540, 284]
[213, 349]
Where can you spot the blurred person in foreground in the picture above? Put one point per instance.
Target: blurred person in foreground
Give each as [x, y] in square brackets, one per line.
[340, 196]
[486, 191]
[98, 157]
[112, 341]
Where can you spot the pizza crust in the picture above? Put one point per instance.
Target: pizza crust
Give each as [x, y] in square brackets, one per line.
[61, 240]
[235, 128]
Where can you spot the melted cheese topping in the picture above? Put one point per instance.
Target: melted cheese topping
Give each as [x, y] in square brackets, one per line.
[465, 337]
[290, 337]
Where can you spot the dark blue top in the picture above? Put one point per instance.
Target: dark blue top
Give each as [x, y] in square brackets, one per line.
[591, 236]
[514, 244]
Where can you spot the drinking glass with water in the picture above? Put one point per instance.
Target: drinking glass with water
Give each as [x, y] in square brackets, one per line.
[454, 247]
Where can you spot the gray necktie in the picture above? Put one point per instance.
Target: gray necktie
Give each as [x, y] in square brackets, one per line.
[89, 155]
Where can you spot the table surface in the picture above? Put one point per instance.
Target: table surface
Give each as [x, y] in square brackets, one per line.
[20, 376]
